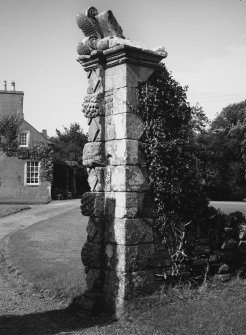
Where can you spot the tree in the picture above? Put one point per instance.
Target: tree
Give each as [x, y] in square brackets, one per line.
[223, 154]
[69, 143]
[199, 120]
[9, 126]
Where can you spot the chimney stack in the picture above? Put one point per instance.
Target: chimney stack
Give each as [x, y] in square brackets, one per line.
[13, 85]
[44, 133]
[5, 85]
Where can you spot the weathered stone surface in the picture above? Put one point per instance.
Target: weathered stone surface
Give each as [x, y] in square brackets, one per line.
[116, 77]
[96, 131]
[148, 209]
[117, 178]
[99, 179]
[94, 154]
[131, 257]
[128, 178]
[128, 204]
[126, 75]
[123, 152]
[94, 280]
[112, 204]
[157, 236]
[129, 231]
[87, 203]
[140, 283]
[109, 102]
[96, 78]
[122, 100]
[124, 126]
[92, 204]
[95, 230]
[129, 285]
[161, 256]
[92, 255]
[123, 204]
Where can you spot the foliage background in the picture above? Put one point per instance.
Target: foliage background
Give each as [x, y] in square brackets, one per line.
[222, 152]
[174, 169]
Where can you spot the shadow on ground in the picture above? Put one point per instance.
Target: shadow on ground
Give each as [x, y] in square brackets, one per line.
[49, 322]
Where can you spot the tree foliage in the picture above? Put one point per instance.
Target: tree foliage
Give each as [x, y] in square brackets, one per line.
[199, 120]
[222, 150]
[69, 143]
[173, 167]
[9, 126]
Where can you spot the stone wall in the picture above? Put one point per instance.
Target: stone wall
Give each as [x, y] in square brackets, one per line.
[215, 248]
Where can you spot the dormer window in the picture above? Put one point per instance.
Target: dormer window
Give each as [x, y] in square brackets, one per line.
[24, 139]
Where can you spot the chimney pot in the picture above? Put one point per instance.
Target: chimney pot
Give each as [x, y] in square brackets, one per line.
[13, 85]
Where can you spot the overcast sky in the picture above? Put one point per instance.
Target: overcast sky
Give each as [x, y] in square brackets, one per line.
[205, 40]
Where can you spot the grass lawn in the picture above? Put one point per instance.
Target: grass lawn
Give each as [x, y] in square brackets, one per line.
[11, 209]
[48, 254]
[210, 310]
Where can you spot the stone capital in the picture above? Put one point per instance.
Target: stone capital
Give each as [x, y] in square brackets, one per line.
[122, 54]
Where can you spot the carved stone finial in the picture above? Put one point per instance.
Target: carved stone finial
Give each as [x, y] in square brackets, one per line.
[96, 26]
[102, 32]
[88, 24]
[92, 12]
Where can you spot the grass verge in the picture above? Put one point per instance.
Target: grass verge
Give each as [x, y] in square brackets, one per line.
[212, 309]
[47, 255]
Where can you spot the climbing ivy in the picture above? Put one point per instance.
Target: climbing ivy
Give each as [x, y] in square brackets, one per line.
[42, 152]
[172, 165]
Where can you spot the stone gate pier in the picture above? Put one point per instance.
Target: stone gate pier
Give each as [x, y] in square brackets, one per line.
[120, 252]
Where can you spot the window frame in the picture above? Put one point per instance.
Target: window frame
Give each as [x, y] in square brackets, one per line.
[26, 177]
[27, 133]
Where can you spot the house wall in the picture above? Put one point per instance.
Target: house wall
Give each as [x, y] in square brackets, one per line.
[35, 136]
[12, 188]
[12, 169]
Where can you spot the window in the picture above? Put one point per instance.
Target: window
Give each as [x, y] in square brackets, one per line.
[32, 172]
[24, 139]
